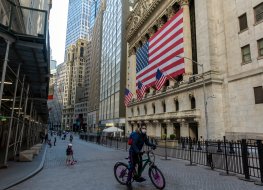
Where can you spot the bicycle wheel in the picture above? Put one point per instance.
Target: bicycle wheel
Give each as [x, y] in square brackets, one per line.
[121, 172]
[156, 177]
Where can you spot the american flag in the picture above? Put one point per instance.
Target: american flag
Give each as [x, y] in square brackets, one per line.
[160, 79]
[140, 90]
[164, 50]
[128, 97]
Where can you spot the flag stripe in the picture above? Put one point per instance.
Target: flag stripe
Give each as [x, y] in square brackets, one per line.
[170, 34]
[165, 69]
[174, 39]
[177, 51]
[128, 97]
[167, 25]
[176, 70]
[174, 62]
[163, 52]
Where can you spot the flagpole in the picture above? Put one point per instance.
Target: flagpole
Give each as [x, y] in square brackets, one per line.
[166, 72]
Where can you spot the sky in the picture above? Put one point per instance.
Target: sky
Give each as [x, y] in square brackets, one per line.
[57, 29]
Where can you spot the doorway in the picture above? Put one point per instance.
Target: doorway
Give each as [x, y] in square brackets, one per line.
[177, 129]
[164, 130]
[193, 130]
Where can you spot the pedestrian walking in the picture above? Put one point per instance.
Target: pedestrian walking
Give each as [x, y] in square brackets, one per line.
[55, 140]
[49, 143]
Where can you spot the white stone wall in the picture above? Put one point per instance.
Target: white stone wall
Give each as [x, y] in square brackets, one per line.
[232, 111]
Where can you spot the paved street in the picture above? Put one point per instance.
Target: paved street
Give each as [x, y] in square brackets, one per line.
[94, 170]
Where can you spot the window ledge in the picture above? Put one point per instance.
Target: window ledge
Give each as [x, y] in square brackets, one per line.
[241, 31]
[258, 22]
[260, 57]
[245, 63]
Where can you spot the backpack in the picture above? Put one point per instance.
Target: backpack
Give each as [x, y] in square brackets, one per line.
[130, 140]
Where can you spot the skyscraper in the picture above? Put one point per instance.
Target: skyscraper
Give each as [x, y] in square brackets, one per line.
[94, 10]
[113, 64]
[77, 24]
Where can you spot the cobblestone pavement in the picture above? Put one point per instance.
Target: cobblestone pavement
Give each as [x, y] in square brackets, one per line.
[94, 170]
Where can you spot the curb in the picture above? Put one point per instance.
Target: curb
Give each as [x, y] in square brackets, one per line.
[40, 167]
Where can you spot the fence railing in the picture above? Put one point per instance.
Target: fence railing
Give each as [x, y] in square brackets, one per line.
[243, 157]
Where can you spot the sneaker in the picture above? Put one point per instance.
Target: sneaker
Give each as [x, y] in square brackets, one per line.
[140, 179]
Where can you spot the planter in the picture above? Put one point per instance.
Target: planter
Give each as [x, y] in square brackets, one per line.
[169, 143]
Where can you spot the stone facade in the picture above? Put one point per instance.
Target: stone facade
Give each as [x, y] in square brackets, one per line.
[73, 87]
[223, 86]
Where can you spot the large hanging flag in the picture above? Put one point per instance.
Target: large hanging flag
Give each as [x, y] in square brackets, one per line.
[128, 97]
[164, 50]
[140, 90]
[160, 79]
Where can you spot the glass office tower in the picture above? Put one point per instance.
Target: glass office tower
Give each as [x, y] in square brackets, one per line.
[77, 24]
[94, 8]
[113, 64]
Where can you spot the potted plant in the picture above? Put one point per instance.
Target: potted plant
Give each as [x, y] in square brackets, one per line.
[172, 136]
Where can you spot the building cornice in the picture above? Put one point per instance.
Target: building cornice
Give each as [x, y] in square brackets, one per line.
[141, 12]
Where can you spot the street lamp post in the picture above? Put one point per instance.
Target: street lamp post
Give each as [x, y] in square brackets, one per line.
[204, 90]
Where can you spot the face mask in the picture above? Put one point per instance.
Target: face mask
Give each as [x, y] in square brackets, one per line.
[143, 131]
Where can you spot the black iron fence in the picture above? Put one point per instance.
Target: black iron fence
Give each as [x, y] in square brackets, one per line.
[243, 157]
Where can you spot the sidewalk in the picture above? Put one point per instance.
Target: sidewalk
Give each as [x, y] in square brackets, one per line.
[18, 172]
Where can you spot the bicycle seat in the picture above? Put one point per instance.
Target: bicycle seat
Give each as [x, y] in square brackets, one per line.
[127, 158]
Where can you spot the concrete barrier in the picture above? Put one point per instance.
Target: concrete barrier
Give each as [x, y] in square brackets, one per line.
[26, 156]
[36, 150]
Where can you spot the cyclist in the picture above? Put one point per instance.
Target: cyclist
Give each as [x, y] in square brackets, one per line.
[138, 139]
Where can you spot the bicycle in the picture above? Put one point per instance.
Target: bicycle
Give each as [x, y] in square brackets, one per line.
[121, 171]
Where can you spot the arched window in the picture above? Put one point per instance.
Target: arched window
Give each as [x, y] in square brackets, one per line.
[176, 105]
[193, 103]
[153, 105]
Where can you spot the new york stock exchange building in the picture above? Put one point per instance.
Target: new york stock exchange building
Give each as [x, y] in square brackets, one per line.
[209, 55]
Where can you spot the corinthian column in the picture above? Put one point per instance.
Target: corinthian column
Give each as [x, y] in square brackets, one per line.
[187, 38]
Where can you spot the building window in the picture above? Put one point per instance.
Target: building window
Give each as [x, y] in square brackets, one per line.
[258, 11]
[258, 93]
[145, 109]
[260, 47]
[193, 103]
[138, 110]
[176, 105]
[246, 57]
[164, 106]
[243, 22]
[153, 108]
[132, 112]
